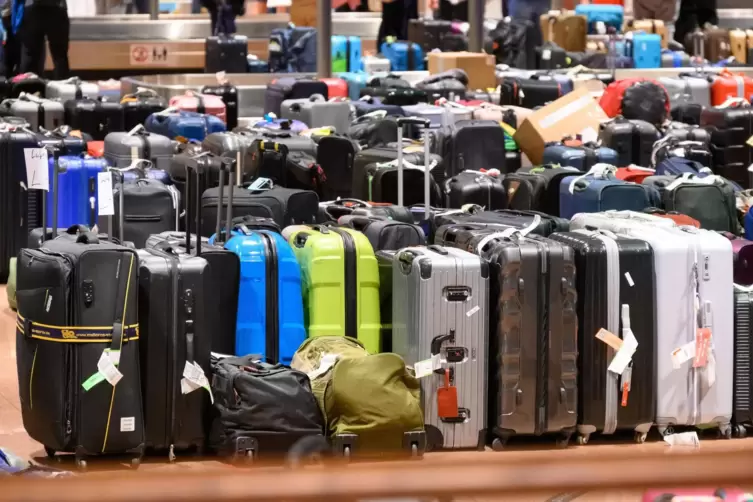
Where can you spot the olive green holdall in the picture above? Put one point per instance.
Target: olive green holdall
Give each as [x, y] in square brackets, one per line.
[371, 403]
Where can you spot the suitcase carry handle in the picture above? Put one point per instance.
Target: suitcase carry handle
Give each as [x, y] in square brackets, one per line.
[227, 165]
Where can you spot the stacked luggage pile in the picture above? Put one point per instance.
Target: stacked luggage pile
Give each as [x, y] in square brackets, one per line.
[386, 273]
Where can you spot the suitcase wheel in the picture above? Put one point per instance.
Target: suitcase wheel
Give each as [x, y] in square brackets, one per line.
[640, 437]
[498, 444]
[51, 453]
[582, 439]
[740, 431]
[725, 431]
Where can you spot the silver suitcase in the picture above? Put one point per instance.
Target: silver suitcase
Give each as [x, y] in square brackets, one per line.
[72, 88]
[686, 90]
[439, 303]
[693, 290]
[38, 112]
[318, 112]
[440, 116]
[373, 64]
[122, 148]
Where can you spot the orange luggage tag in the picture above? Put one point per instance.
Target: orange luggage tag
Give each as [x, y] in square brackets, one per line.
[447, 398]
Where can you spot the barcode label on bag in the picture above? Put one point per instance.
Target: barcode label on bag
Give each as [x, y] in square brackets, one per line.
[127, 424]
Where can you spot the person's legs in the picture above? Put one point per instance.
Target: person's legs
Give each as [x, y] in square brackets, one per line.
[196, 7]
[529, 10]
[31, 35]
[392, 21]
[58, 30]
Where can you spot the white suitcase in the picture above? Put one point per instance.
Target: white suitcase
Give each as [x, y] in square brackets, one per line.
[687, 396]
[73, 88]
[373, 64]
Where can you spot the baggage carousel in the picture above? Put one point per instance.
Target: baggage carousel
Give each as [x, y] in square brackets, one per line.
[251, 87]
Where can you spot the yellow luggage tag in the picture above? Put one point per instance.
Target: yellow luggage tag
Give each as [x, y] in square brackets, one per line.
[508, 128]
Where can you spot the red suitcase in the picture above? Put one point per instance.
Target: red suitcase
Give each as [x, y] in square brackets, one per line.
[730, 85]
[202, 103]
[634, 174]
[337, 87]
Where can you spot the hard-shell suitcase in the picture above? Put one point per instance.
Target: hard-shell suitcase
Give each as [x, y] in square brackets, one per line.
[355, 82]
[646, 50]
[230, 145]
[582, 157]
[687, 88]
[742, 412]
[336, 87]
[208, 104]
[138, 106]
[428, 33]
[229, 95]
[71, 292]
[38, 112]
[536, 188]
[422, 279]
[291, 88]
[316, 111]
[473, 145]
[375, 64]
[346, 53]
[739, 45]
[566, 29]
[340, 283]
[615, 286]
[440, 116]
[337, 154]
[72, 88]
[187, 125]
[730, 130]
[601, 17]
[476, 187]
[77, 191]
[633, 140]
[656, 26]
[69, 141]
[94, 117]
[122, 148]
[528, 92]
[403, 56]
[226, 53]
[729, 85]
[551, 57]
[684, 304]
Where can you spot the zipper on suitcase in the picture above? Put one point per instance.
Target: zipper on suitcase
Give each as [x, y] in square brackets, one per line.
[542, 342]
[351, 291]
[272, 351]
[175, 273]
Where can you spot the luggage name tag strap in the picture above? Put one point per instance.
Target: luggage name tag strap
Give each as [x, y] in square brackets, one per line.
[733, 102]
[168, 111]
[509, 233]
[71, 334]
[261, 184]
[598, 171]
[693, 179]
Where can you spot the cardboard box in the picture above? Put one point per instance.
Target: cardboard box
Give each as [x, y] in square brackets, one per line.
[305, 13]
[574, 113]
[478, 66]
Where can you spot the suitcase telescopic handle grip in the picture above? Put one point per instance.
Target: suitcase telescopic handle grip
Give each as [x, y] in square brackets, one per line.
[437, 341]
[413, 120]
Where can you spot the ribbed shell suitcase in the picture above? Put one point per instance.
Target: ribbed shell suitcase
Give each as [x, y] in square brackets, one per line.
[72, 88]
[316, 111]
[728, 85]
[532, 390]
[693, 267]
[687, 89]
[291, 88]
[36, 111]
[226, 53]
[742, 406]
[95, 117]
[340, 283]
[633, 140]
[457, 282]
[228, 93]
[122, 148]
[138, 106]
[473, 145]
[615, 284]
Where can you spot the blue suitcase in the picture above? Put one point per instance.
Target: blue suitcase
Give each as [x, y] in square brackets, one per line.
[270, 297]
[646, 50]
[356, 81]
[403, 56]
[592, 195]
[77, 190]
[188, 125]
[346, 53]
[256, 65]
[610, 15]
[582, 158]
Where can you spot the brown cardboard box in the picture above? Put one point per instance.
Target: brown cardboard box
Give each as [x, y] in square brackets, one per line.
[574, 113]
[478, 66]
[305, 13]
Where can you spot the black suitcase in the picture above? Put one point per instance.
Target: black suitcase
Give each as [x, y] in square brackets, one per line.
[226, 53]
[179, 317]
[149, 207]
[615, 284]
[95, 117]
[475, 187]
[697, 151]
[473, 145]
[730, 128]
[70, 144]
[742, 409]
[537, 188]
[20, 209]
[304, 173]
[284, 205]
[291, 88]
[399, 96]
[551, 57]
[428, 33]
[71, 292]
[687, 113]
[374, 130]
[229, 95]
[532, 388]
[527, 92]
[138, 106]
[632, 139]
[385, 260]
[384, 234]
[513, 43]
[224, 265]
[545, 224]
[336, 155]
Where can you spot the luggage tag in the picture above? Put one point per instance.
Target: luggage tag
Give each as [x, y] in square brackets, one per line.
[625, 380]
[447, 398]
[624, 356]
[106, 370]
[194, 378]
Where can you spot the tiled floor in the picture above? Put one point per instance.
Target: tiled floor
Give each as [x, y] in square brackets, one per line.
[13, 436]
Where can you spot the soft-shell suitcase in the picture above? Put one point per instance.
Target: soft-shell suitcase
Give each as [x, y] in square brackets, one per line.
[187, 125]
[71, 292]
[546, 224]
[686, 395]
[95, 117]
[77, 191]
[122, 148]
[291, 88]
[200, 103]
[528, 92]
[633, 140]
[72, 88]
[346, 53]
[228, 93]
[316, 111]
[226, 53]
[38, 112]
[536, 188]
[729, 85]
[615, 285]
[582, 157]
[596, 193]
[423, 280]
[340, 283]
[138, 106]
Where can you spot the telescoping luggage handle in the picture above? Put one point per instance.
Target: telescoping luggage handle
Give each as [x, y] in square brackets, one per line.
[401, 121]
[222, 234]
[55, 151]
[137, 165]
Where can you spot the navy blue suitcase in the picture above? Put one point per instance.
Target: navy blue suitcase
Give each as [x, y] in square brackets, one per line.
[187, 125]
[594, 194]
[582, 158]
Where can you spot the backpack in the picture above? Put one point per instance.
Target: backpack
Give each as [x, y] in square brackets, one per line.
[375, 398]
[292, 50]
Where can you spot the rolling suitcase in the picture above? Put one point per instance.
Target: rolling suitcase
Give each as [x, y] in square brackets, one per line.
[122, 148]
[226, 52]
[529, 92]
[601, 17]
[633, 140]
[77, 191]
[178, 318]
[742, 414]
[428, 33]
[82, 398]
[72, 88]
[581, 157]
[208, 104]
[385, 235]
[270, 318]
[615, 287]
[138, 106]
[536, 188]
[291, 88]
[545, 224]
[95, 117]
[476, 187]
[346, 53]
[38, 112]
[728, 85]
[686, 395]
[646, 50]
[403, 56]
[473, 145]
[336, 87]
[186, 125]
[229, 95]
[454, 394]
[316, 111]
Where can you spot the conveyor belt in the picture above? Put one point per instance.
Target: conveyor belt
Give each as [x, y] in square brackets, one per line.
[251, 87]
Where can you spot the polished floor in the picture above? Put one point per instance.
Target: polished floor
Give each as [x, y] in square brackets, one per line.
[14, 438]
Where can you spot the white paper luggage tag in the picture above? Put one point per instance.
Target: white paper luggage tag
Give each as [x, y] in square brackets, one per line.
[194, 378]
[624, 354]
[683, 439]
[37, 168]
[325, 363]
[427, 367]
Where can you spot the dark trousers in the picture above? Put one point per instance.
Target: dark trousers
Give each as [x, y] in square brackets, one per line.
[395, 19]
[451, 12]
[694, 14]
[45, 22]
[11, 51]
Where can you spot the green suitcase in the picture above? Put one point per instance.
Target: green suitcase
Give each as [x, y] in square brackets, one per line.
[340, 279]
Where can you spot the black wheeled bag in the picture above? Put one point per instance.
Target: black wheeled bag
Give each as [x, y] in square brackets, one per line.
[138, 106]
[95, 117]
[537, 188]
[70, 292]
[475, 187]
[262, 409]
[633, 140]
[229, 95]
[547, 224]
[384, 234]
[336, 155]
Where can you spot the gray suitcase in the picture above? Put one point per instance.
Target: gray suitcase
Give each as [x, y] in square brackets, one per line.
[235, 146]
[439, 307]
[440, 116]
[38, 112]
[686, 90]
[72, 88]
[122, 148]
[668, 60]
[318, 112]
